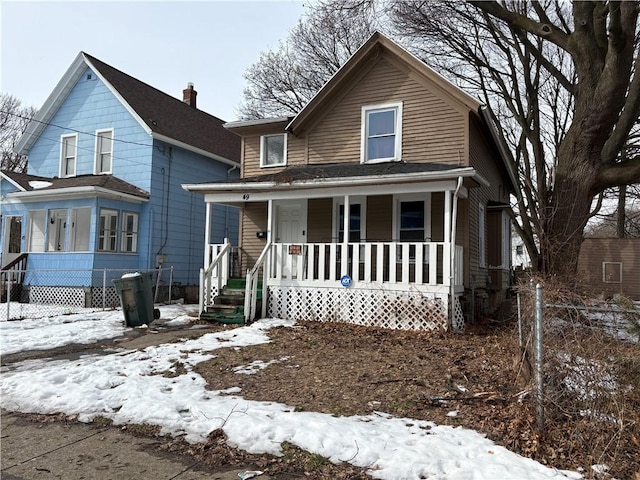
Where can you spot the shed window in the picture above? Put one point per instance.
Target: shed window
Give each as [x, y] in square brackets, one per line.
[612, 272]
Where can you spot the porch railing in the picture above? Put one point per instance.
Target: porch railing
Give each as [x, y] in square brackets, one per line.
[404, 265]
[399, 263]
[215, 273]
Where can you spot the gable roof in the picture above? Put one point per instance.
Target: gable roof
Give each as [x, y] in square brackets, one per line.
[370, 50]
[46, 186]
[164, 117]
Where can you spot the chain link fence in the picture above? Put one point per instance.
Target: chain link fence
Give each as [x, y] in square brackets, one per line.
[44, 293]
[582, 359]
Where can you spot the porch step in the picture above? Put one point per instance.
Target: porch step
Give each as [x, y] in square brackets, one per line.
[228, 307]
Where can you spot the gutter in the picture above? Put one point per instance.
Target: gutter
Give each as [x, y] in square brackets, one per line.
[74, 192]
[339, 182]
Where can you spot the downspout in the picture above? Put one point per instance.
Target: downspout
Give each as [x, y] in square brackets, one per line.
[454, 221]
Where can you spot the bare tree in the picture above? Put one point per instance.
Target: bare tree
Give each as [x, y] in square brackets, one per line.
[14, 119]
[281, 82]
[563, 80]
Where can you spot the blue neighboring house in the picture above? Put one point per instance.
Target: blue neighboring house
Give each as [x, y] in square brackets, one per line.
[107, 157]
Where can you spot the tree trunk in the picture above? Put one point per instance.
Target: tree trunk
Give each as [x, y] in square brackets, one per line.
[621, 213]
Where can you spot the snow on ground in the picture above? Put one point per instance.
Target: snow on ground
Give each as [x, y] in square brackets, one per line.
[129, 387]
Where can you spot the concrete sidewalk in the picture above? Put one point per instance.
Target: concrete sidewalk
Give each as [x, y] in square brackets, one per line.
[31, 450]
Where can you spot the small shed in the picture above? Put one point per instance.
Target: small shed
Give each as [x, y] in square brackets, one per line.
[611, 265]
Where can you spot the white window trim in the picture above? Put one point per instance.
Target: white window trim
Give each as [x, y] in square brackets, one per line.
[506, 241]
[604, 272]
[398, 133]
[263, 151]
[482, 236]
[96, 163]
[135, 234]
[63, 158]
[355, 200]
[416, 197]
[111, 213]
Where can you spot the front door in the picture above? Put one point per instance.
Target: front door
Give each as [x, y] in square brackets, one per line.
[11, 247]
[291, 228]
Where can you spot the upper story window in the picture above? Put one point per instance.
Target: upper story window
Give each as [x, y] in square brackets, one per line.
[273, 150]
[104, 151]
[68, 155]
[381, 133]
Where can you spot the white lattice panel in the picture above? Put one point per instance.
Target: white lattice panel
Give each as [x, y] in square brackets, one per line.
[376, 308]
[110, 297]
[72, 296]
[457, 320]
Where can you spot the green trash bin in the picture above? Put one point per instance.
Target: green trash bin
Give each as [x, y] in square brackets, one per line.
[136, 297]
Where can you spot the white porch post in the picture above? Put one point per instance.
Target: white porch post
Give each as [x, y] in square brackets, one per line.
[345, 237]
[447, 216]
[207, 235]
[267, 263]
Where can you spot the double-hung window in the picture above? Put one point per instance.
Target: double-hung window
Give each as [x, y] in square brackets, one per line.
[104, 151]
[381, 133]
[107, 230]
[129, 241]
[273, 150]
[68, 155]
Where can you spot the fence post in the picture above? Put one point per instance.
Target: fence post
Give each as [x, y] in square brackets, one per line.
[170, 283]
[538, 359]
[520, 337]
[8, 297]
[104, 289]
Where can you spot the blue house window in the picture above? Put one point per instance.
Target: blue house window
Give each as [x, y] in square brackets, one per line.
[108, 230]
[104, 151]
[68, 155]
[129, 242]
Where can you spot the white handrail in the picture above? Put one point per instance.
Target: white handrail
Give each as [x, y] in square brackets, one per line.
[221, 265]
[251, 287]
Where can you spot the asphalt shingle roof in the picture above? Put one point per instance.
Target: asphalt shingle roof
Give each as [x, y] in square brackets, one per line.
[108, 182]
[171, 117]
[342, 170]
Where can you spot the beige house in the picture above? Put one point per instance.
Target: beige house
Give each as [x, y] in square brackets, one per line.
[404, 162]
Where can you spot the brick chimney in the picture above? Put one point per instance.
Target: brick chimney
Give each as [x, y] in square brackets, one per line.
[189, 95]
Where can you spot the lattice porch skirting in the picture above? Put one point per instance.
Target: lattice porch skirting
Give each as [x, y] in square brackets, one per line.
[91, 297]
[400, 310]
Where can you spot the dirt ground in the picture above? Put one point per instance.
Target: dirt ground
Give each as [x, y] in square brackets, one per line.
[345, 370]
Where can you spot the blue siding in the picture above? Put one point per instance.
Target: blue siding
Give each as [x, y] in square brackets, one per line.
[90, 106]
[179, 216]
[171, 223]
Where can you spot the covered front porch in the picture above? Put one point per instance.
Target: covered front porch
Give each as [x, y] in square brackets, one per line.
[401, 264]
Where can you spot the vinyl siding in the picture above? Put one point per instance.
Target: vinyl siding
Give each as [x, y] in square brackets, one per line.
[254, 220]
[433, 130]
[595, 251]
[319, 220]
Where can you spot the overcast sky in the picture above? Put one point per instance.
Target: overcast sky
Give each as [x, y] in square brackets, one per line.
[165, 44]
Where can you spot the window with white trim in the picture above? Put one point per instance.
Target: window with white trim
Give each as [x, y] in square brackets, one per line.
[381, 133]
[108, 230]
[129, 240]
[68, 155]
[612, 272]
[357, 219]
[482, 240]
[273, 150]
[36, 241]
[80, 229]
[104, 151]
